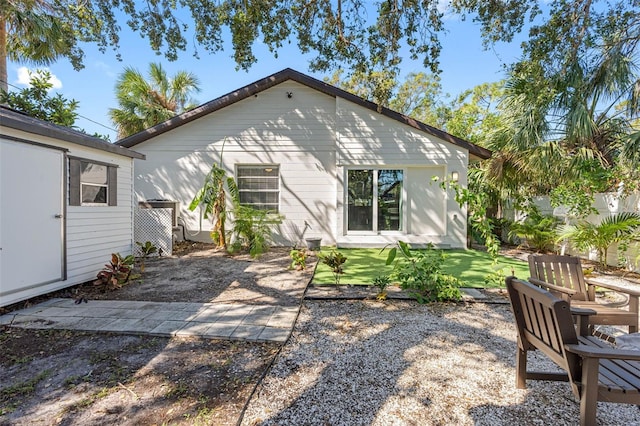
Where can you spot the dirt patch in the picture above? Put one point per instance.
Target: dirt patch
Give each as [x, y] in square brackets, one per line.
[204, 274]
[63, 377]
[71, 377]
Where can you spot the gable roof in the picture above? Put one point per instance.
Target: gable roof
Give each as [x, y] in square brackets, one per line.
[19, 121]
[321, 86]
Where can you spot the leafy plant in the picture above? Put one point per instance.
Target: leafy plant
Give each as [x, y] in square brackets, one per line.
[496, 278]
[477, 219]
[147, 249]
[420, 272]
[621, 229]
[538, 232]
[116, 272]
[335, 260]
[382, 282]
[212, 196]
[298, 259]
[251, 227]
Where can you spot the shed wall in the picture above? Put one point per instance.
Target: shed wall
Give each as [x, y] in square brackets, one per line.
[92, 232]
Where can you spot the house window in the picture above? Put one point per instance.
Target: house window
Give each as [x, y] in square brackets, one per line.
[374, 200]
[259, 186]
[92, 183]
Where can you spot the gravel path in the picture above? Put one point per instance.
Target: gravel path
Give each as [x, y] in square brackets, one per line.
[400, 363]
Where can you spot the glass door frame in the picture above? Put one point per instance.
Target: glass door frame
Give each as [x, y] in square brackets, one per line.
[375, 231]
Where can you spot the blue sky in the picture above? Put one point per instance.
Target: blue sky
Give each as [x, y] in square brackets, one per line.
[463, 61]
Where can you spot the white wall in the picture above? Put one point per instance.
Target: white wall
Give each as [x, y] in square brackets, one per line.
[366, 138]
[295, 133]
[314, 138]
[92, 232]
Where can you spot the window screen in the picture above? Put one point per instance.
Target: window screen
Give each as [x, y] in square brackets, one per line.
[259, 187]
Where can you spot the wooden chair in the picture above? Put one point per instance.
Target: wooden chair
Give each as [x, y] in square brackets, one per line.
[562, 276]
[595, 371]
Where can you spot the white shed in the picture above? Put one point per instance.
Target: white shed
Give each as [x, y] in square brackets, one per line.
[66, 204]
[335, 165]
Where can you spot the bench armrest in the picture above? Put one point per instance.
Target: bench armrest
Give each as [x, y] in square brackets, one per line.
[552, 287]
[625, 290]
[583, 312]
[586, 351]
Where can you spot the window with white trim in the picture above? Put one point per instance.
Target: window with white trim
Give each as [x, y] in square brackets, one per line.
[259, 186]
[92, 183]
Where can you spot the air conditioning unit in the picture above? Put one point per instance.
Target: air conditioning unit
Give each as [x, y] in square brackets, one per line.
[163, 204]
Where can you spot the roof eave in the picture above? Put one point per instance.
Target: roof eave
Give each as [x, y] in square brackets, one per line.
[290, 74]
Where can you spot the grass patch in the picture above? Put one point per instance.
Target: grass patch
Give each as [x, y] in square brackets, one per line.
[470, 266]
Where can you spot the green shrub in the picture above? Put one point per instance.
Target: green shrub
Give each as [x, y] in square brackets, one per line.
[252, 229]
[538, 232]
[420, 273]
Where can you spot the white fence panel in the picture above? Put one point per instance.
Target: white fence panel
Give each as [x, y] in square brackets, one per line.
[607, 204]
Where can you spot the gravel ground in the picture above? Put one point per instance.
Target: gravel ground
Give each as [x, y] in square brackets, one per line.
[400, 363]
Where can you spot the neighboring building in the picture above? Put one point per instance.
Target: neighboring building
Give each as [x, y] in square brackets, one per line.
[335, 165]
[66, 204]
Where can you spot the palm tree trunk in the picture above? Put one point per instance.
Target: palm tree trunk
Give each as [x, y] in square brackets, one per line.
[4, 80]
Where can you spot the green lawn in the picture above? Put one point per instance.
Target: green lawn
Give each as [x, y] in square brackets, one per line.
[470, 266]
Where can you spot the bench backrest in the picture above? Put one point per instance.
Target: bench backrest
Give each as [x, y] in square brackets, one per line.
[561, 271]
[544, 322]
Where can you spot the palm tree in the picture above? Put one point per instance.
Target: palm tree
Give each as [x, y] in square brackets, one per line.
[38, 32]
[620, 228]
[145, 103]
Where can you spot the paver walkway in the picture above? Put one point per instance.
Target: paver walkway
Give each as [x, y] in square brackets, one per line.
[207, 320]
[234, 321]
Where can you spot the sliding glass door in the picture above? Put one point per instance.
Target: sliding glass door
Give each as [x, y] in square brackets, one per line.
[374, 199]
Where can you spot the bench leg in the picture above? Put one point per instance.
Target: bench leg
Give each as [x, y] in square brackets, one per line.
[589, 391]
[521, 368]
[633, 307]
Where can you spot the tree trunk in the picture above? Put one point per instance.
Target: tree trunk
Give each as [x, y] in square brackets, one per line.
[4, 80]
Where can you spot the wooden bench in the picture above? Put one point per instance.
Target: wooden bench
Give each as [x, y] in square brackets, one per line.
[595, 371]
[562, 276]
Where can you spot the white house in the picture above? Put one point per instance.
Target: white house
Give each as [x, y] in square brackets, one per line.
[66, 204]
[335, 165]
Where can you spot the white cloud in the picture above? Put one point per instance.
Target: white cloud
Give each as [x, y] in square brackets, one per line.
[105, 68]
[24, 77]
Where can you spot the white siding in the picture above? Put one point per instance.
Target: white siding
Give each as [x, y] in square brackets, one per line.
[295, 133]
[314, 138]
[92, 232]
[368, 139]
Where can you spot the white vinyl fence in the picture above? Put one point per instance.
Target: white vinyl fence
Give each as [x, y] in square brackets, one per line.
[607, 204]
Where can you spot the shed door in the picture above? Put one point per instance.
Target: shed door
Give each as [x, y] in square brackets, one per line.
[31, 217]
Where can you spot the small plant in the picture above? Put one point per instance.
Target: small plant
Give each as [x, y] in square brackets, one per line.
[335, 260]
[497, 277]
[420, 273]
[115, 273]
[147, 249]
[298, 259]
[382, 282]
